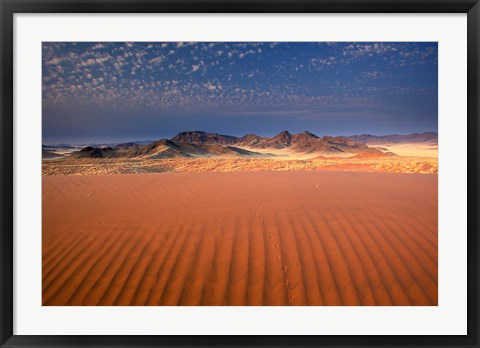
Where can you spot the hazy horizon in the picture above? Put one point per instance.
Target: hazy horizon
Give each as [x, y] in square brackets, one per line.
[122, 91]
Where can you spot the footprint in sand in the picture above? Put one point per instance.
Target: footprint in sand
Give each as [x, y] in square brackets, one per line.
[275, 246]
[277, 258]
[318, 186]
[91, 194]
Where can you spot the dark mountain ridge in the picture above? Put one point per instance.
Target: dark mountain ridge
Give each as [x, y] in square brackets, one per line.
[199, 137]
[304, 142]
[425, 137]
[164, 148]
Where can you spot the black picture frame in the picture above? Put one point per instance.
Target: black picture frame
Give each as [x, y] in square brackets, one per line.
[9, 7]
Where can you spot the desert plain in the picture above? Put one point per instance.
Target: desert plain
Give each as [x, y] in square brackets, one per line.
[241, 231]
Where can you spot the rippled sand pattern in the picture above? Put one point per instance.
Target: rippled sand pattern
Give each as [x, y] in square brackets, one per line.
[241, 238]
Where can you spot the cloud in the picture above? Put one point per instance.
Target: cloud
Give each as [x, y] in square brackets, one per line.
[209, 76]
[249, 52]
[360, 50]
[157, 59]
[98, 46]
[54, 61]
[397, 53]
[92, 61]
[372, 75]
[320, 62]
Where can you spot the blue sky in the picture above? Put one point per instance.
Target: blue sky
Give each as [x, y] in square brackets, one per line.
[122, 91]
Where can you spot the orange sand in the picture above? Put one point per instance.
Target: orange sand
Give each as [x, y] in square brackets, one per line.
[241, 238]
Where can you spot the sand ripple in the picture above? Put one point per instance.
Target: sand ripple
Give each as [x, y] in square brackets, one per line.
[241, 238]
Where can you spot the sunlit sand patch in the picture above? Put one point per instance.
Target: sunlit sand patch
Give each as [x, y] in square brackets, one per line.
[413, 150]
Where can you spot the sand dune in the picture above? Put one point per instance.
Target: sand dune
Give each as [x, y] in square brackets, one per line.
[241, 238]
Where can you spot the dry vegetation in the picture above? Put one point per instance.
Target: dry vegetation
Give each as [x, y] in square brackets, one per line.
[393, 164]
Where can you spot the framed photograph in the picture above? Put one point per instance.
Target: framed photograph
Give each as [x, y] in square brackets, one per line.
[253, 173]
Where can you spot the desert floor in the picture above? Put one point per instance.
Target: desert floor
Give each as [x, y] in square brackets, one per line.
[240, 238]
[101, 166]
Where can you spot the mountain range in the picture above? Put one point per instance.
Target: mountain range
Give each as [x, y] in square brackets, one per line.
[202, 144]
[164, 148]
[304, 142]
[426, 137]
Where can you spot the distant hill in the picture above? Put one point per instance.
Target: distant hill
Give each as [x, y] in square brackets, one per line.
[95, 152]
[46, 154]
[426, 137]
[58, 146]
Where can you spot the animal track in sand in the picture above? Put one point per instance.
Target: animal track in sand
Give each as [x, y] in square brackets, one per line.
[275, 245]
